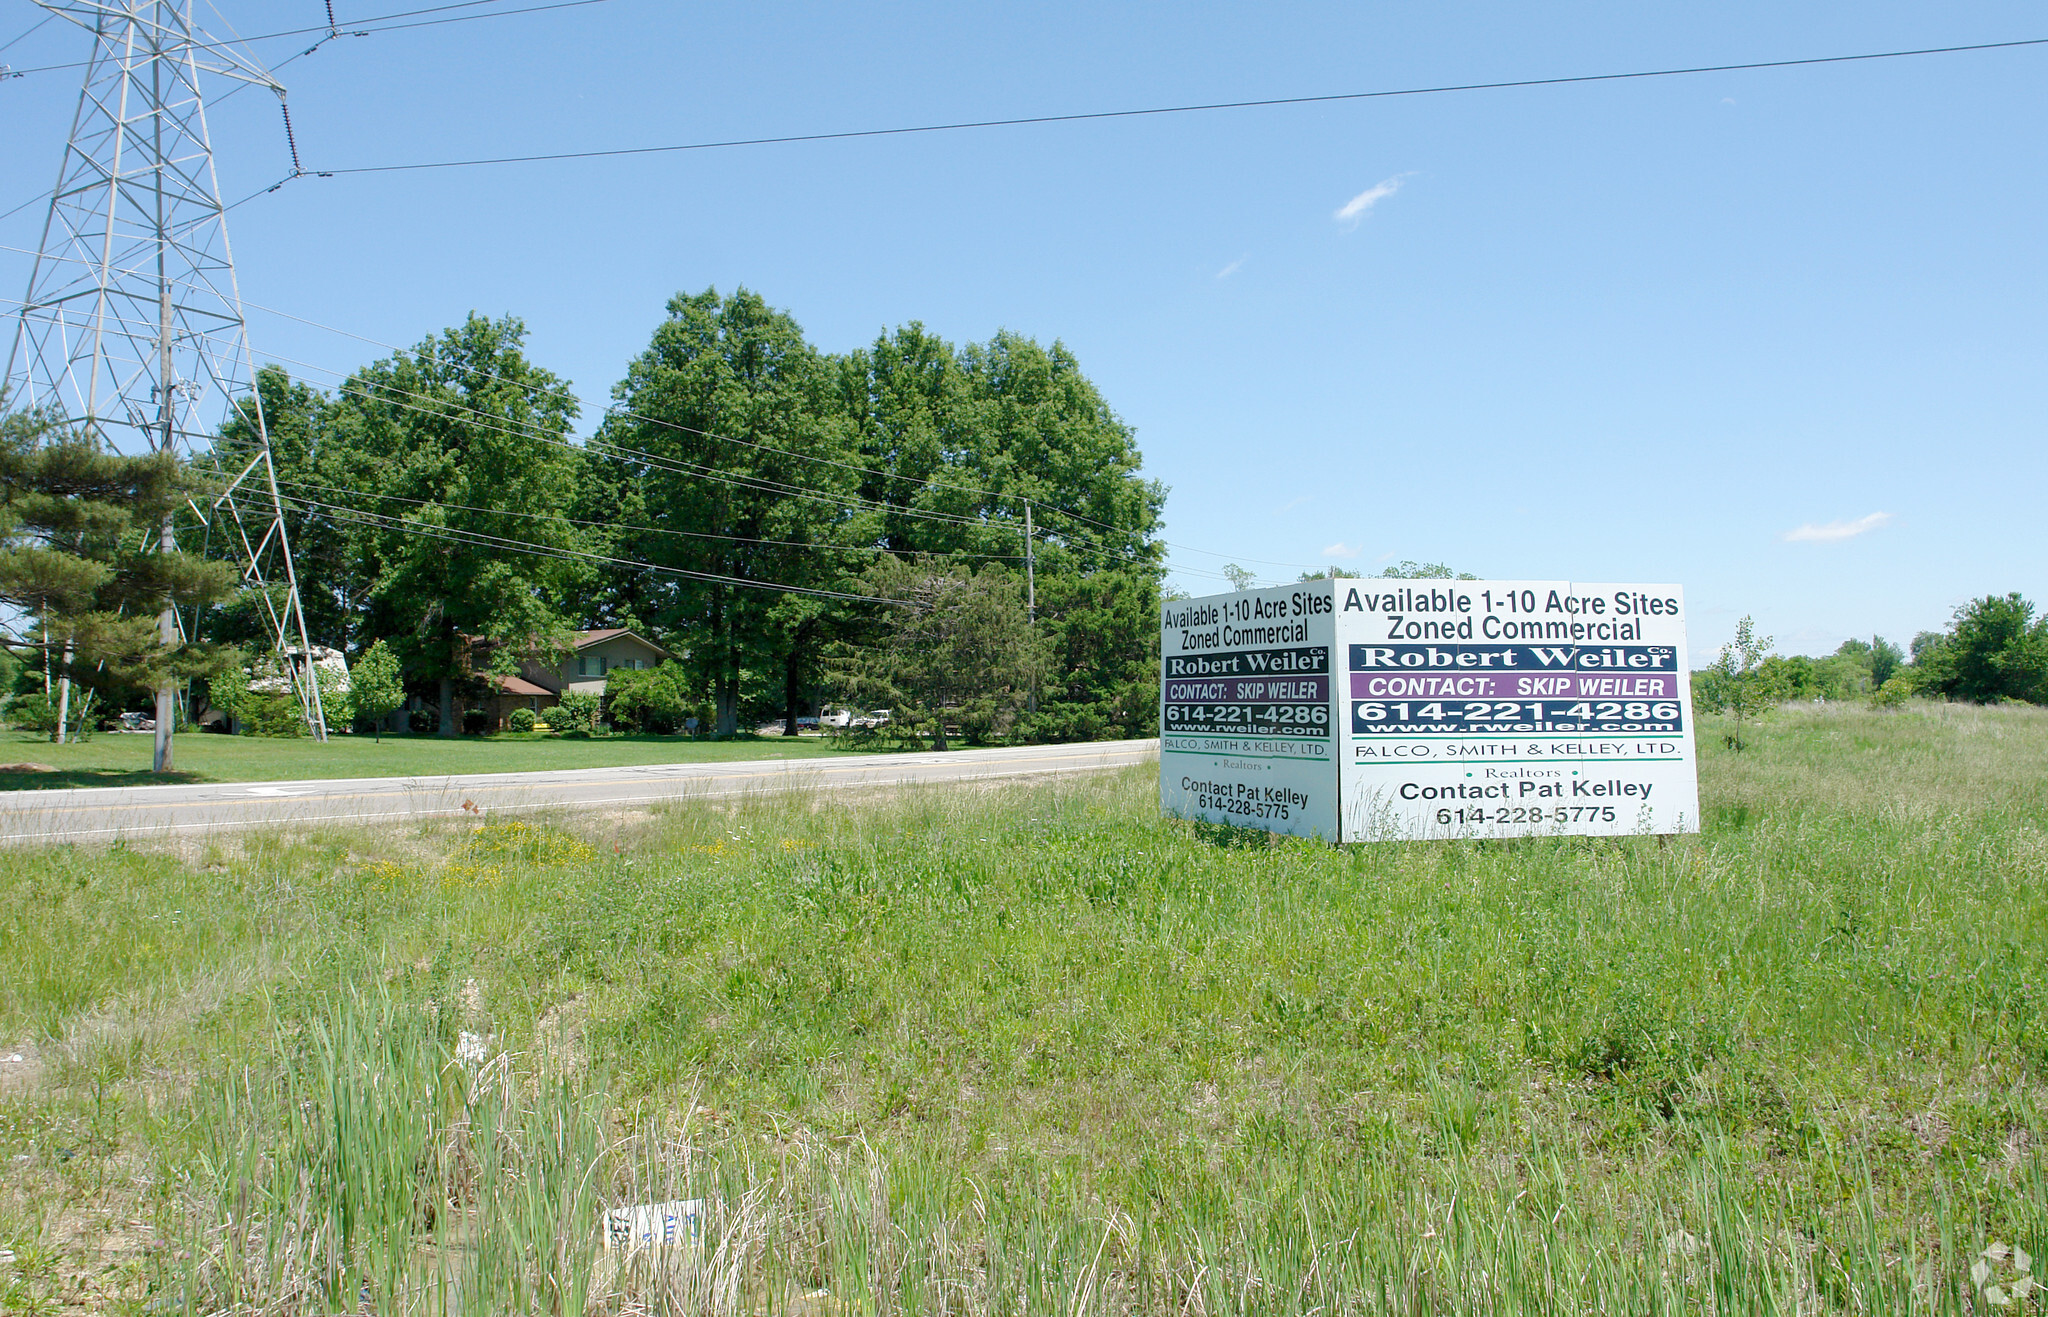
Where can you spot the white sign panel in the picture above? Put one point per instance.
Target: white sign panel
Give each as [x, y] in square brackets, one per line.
[1454, 708]
[1248, 710]
[1512, 708]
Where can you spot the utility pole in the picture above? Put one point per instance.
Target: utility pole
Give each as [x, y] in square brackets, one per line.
[1031, 599]
[1030, 570]
[133, 330]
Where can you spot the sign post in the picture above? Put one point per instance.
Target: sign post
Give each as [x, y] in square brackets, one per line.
[1366, 710]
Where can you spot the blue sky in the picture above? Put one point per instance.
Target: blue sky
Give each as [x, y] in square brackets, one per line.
[1779, 336]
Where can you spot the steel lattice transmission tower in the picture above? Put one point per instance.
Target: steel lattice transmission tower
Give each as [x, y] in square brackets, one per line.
[133, 325]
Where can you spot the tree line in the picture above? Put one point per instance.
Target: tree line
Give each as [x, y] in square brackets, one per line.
[784, 521]
[1995, 650]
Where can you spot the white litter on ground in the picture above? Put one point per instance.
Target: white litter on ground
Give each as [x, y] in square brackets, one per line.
[652, 1225]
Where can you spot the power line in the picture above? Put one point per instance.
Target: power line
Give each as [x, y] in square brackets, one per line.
[613, 525]
[604, 448]
[26, 35]
[1079, 542]
[331, 34]
[1205, 107]
[927, 481]
[393, 395]
[891, 508]
[484, 422]
[389, 26]
[506, 543]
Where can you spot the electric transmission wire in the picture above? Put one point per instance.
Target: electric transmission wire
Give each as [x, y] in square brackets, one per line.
[358, 24]
[925, 481]
[886, 475]
[480, 539]
[603, 448]
[1080, 543]
[483, 422]
[1199, 108]
[617, 525]
[33, 29]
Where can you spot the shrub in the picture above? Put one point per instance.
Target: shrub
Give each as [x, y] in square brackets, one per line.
[520, 720]
[476, 722]
[1894, 693]
[33, 713]
[421, 722]
[576, 714]
[653, 699]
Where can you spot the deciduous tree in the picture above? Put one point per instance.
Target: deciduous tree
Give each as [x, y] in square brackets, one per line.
[377, 685]
[728, 448]
[1740, 676]
[1997, 649]
[472, 448]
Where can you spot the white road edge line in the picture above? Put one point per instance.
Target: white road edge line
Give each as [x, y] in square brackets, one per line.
[768, 788]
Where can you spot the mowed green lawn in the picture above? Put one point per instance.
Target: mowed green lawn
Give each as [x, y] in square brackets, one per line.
[122, 759]
[1032, 1048]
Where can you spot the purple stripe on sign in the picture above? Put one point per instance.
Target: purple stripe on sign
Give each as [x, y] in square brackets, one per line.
[1511, 686]
[1594, 686]
[1431, 685]
[1299, 689]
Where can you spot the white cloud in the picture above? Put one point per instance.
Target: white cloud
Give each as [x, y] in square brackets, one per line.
[1340, 550]
[1361, 205]
[1231, 268]
[1836, 530]
[1295, 502]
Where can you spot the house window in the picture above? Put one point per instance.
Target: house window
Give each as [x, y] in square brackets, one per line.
[582, 666]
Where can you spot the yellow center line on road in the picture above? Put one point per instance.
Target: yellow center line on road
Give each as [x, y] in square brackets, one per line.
[762, 774]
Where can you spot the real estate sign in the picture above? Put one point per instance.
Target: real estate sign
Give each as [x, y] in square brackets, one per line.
[1248, 729]
[1376, 709]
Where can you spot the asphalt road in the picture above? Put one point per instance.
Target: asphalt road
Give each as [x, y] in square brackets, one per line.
[105, 813]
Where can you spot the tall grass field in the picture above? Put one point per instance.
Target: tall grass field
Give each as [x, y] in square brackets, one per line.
[1035, 1049]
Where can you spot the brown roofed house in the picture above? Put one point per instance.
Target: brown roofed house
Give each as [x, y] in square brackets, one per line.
[596, 653]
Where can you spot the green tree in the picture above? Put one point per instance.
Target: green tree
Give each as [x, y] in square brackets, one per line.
[730, 445]
[377, 685]
[1745, 686]
[81, 561]
[1997, 649]
[958, 647]
[655, 699]
[1410, 570]
[1885, 661]
[956, 442]
[967, 450]
[473, 450]
[1240, 578]
[1101, 634]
